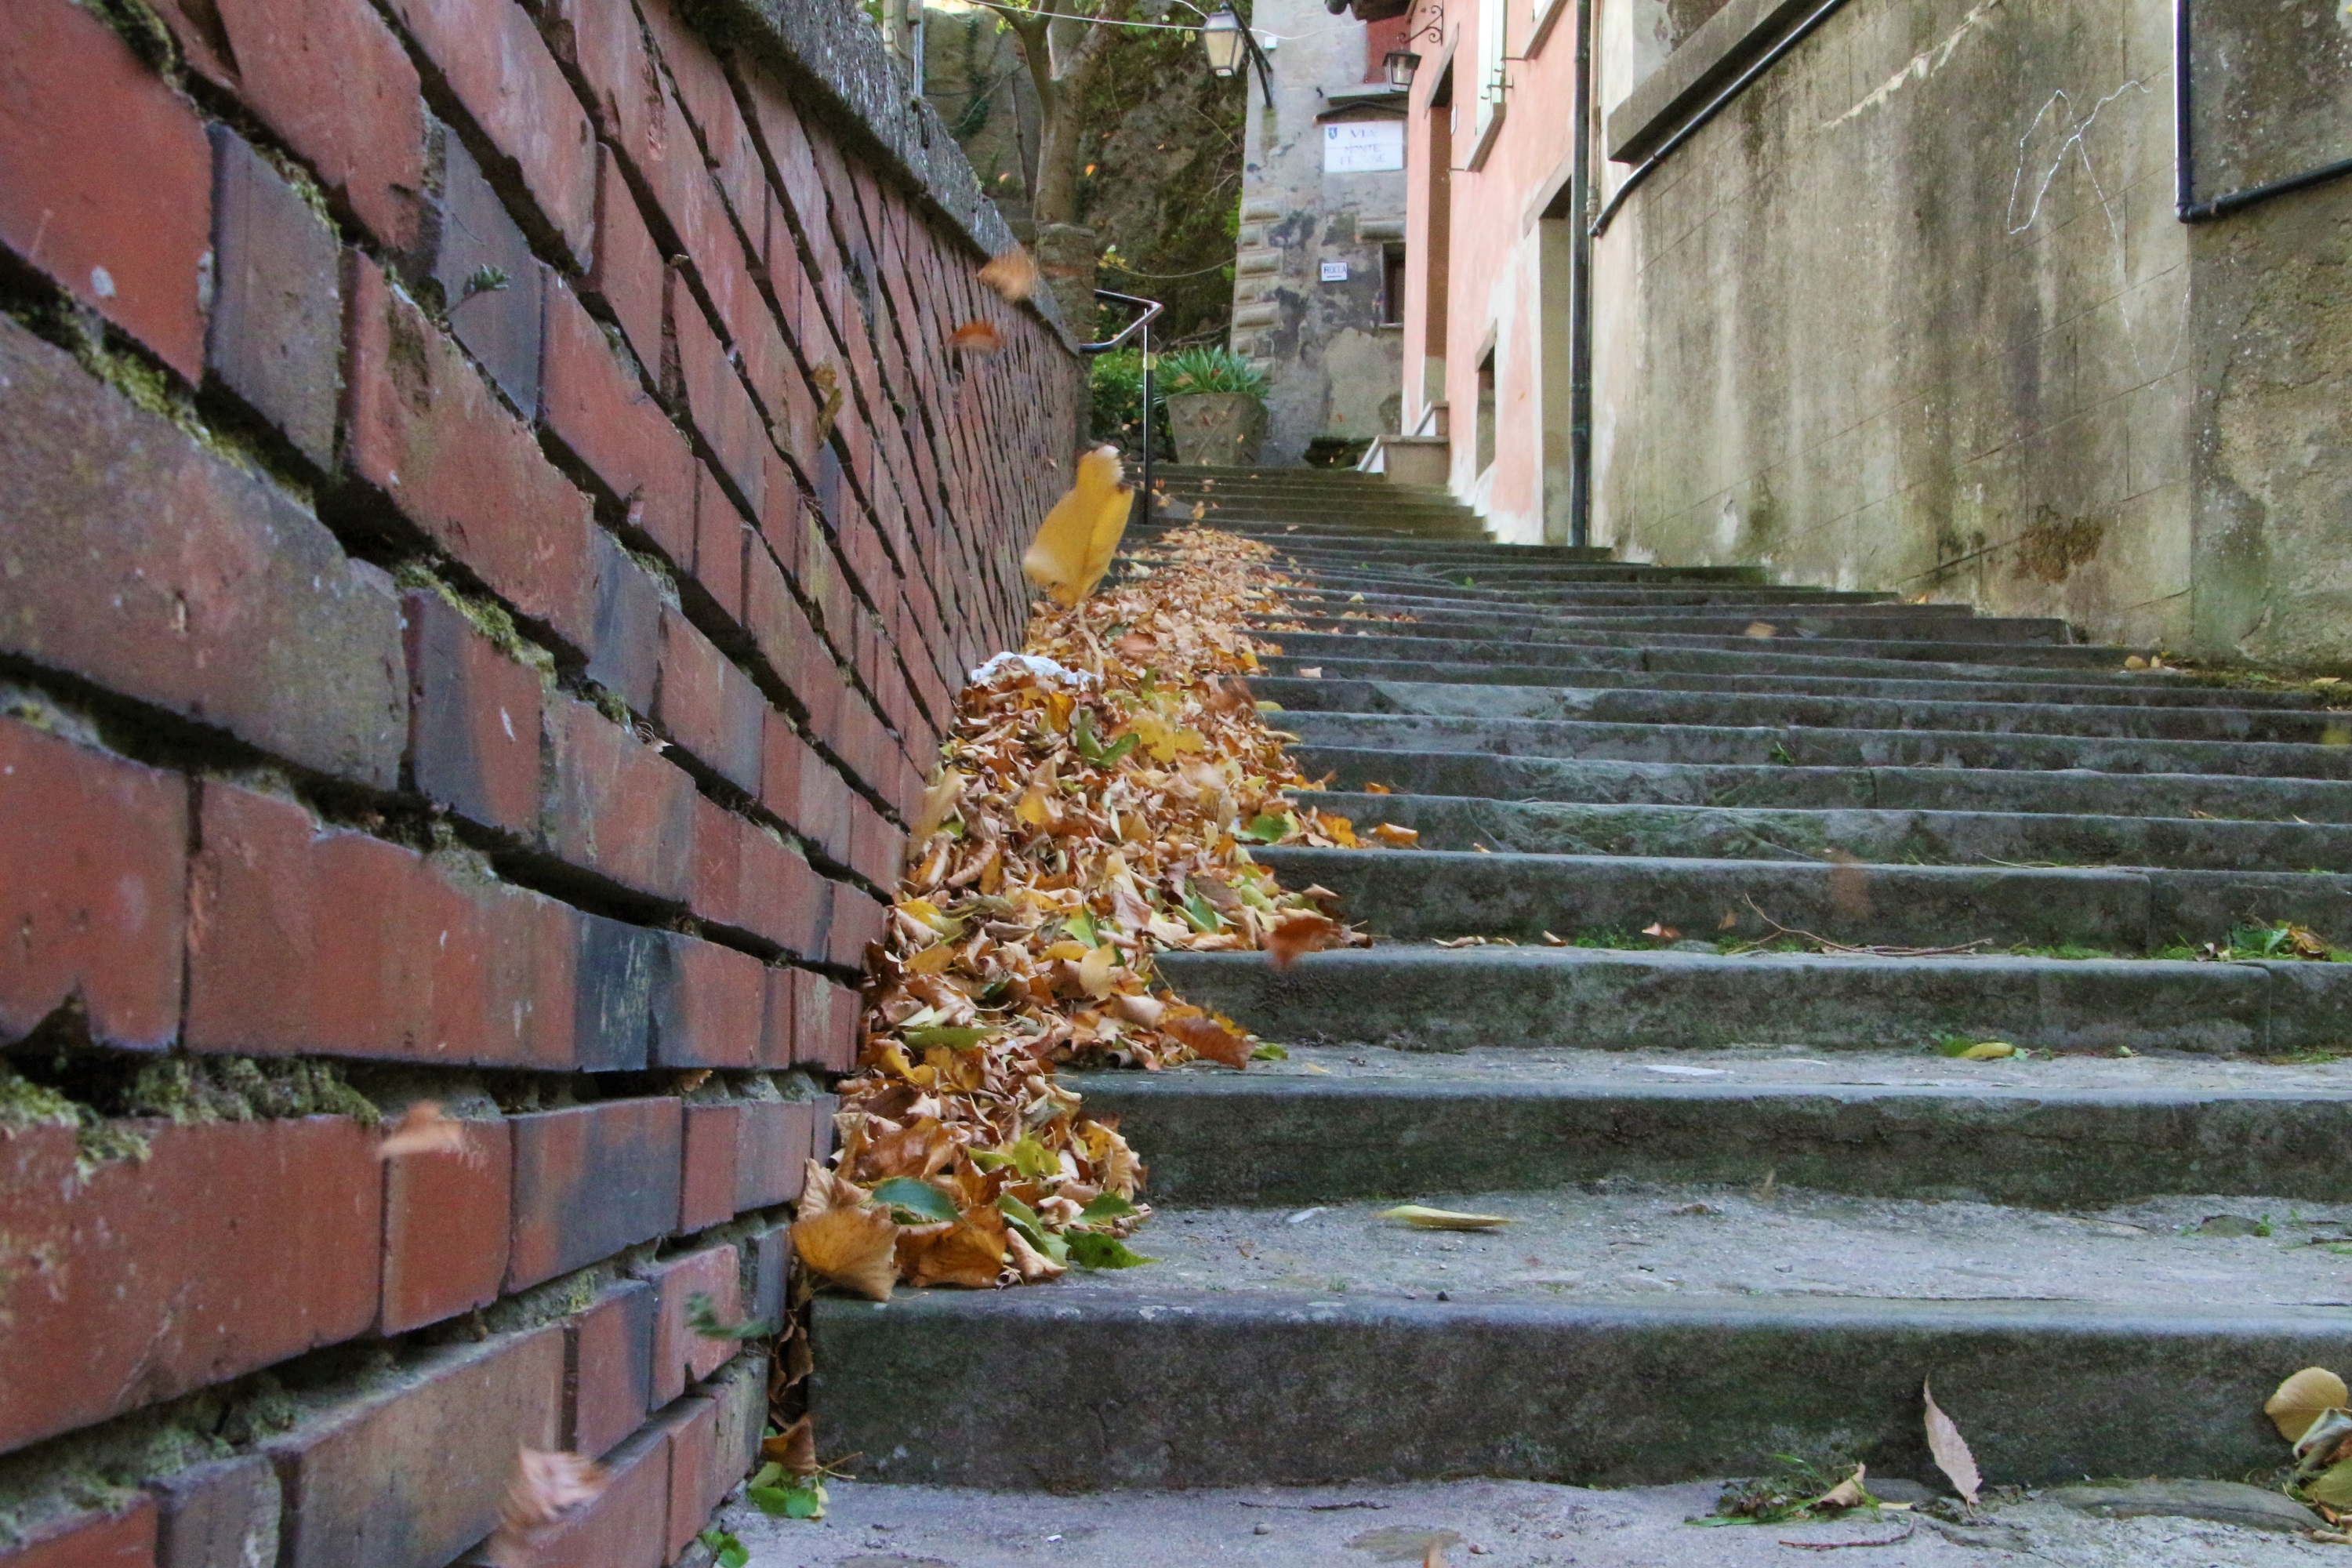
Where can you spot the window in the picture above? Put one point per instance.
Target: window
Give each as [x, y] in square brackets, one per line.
[1486, 412]
[1494, 30]
[1392, 286]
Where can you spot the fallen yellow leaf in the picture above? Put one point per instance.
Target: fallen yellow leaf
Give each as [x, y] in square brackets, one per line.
[854, 1248]
[2302, 1399]
[1074, 543]
[1429, 1218]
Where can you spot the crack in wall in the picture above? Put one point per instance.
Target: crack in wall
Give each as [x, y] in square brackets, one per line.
[1920, 67]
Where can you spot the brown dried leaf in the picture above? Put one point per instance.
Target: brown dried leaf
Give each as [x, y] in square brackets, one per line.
[2302, 1399]
[544, 1490]
[1211, 1039]
[1013, 275]
[1389, 836]
[1297, 934]
[424, 1130]
[977, 338]
[969, 1252]
[794, 1448]
[854, 1248]
[1950, 1450]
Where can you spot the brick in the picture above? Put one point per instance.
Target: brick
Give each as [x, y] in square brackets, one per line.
[827, 1105]
[305, 939]
[589, 1181]
[333, 83]
[471, 235]
[708, 96]
[784, 760]
[629, 276]
[424, 429]
[95, 899]
[774, 1138]
[681, 1355]
[709, 706]
[781, 1020]
[222, 1514]
[90, 1540]
[110, 177]
[276, 336]
[824, 812]
[706, 1188]
[175, 579]
[722, 537]
[767, 1262]
[447, 1219]
[411, 1470]
[624, 1526]
[859, 919]
[127, 1292]
[780, 897]
[709, 1006]
[625, 646]
[595, 407]
[741, 1389]
[615, 807]
[608, 1368]
[876, 845]
[615, 967]
[497, 67]
[826, 1028]
[691, 1429]
[474, 729]
[719, 835]
[721, 411]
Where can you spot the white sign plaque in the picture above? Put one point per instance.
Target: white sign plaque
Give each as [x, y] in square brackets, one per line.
[1335, 272]
[1363, 146]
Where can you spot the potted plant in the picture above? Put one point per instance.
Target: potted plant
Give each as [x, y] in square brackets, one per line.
[1216, 406]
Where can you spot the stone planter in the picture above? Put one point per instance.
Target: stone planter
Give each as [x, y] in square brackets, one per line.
[1220, 429]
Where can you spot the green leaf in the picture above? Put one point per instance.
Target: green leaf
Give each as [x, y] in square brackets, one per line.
[1268, 828]
[1270, 1052]
[958, 1037]
[906, 1195]
[1204, 918]
[703, 1319]
[1024, 1219]
[988, 1159]
[1104, 1207]
[1081, 928]
[1093, 1249]
[1117, 751]
[1082, 735]
[802, 1498]
[2333, 1487]
[726, 1551]
[1032, 1158]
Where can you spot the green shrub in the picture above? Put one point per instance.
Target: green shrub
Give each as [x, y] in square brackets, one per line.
[1116, 382]
[1209, 370]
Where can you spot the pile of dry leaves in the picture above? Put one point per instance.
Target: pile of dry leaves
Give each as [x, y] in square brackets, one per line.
[1098, 801]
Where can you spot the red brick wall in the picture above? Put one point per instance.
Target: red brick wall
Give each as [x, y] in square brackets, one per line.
[489, 535]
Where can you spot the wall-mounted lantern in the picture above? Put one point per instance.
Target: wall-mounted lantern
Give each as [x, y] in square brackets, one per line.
[1401, 64]
[1220, 40]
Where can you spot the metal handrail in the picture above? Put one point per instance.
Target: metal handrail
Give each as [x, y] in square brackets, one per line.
[1142, 324]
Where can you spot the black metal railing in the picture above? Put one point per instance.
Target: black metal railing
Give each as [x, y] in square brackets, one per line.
[1141, 324]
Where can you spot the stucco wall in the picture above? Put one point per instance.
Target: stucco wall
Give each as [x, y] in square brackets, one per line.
[1914, 314]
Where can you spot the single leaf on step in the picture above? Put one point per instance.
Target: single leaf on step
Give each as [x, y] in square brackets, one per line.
[2301, 1399]
[1297, 935]
[970, 1252]
[2333, 1487]
[1428, 1218]
[1950, 1450]
[854, 1248]
[794, 1448]
[1210, 1039]
[1093, 1249]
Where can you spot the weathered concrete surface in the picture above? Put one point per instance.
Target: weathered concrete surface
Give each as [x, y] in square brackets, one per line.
[1507, 1524]
[2046, 1133]
[1156, 1388]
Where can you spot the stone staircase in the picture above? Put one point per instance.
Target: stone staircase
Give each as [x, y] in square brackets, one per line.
[1753, 1202]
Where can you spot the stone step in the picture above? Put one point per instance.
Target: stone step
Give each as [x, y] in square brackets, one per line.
[1418, 998]
[1330, 1125]
[1548, 631]
[1602, 781]
[1334, 658]
[1558, 700]
[2290, 869]
[1203, 1387]
[1849, 621]
[1609, 897]
[1808, 746]
[1662, 594]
